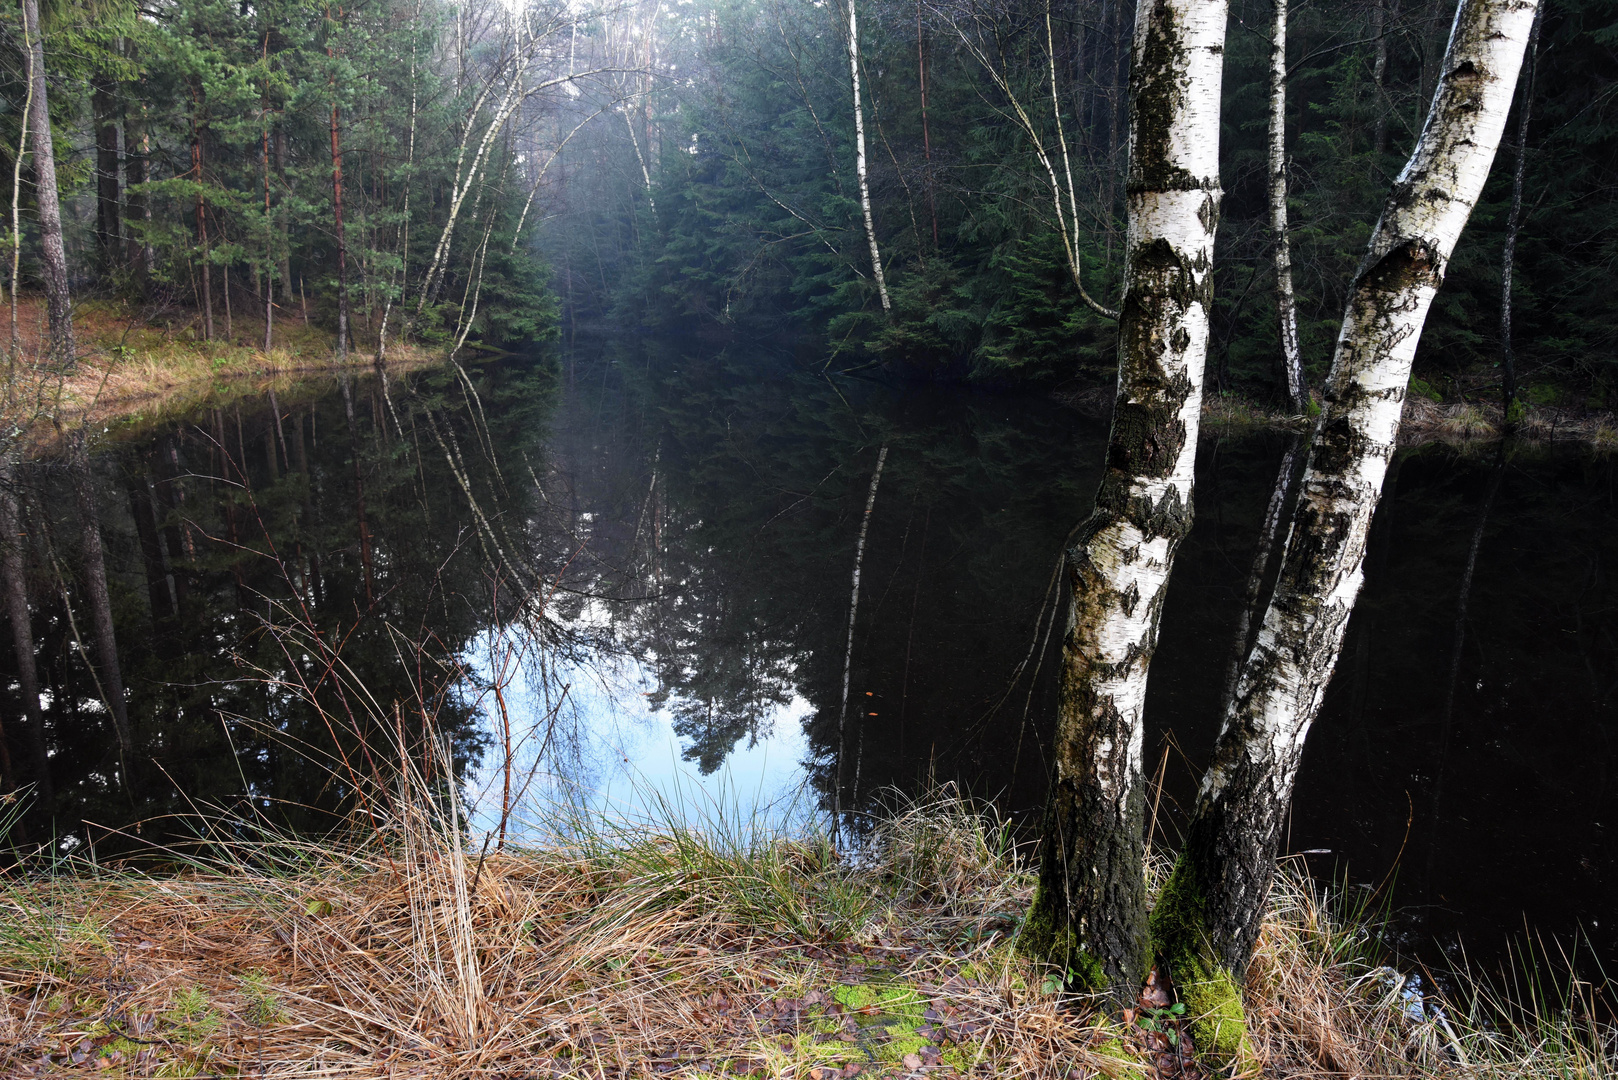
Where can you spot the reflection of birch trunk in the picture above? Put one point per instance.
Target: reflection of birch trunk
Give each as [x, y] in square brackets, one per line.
[853, 609]
[1497, 474]
[1508, 354]
[1253, 594]
[1207, 924]
[1089, 914]
[1286, 304]
[22, 633]
[95, 586]
[859, 156]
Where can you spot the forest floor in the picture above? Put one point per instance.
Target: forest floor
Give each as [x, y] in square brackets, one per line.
[654, 949]
[141, 364]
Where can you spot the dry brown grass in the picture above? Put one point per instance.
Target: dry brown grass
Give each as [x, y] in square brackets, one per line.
[146, 365]
[651, 949]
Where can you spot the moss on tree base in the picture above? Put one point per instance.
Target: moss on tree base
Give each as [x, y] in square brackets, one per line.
[1212, 998]
[1046, 936]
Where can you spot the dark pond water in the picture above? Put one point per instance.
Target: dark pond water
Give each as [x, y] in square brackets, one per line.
[648, 549]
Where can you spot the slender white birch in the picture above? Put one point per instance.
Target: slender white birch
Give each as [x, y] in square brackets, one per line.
[16, 216]
[52, 253]
[1286, 304]
[1207, 919]
[1508, 257]
[1089, 914]
[859, 156]
[1067, 216]
[645, 173]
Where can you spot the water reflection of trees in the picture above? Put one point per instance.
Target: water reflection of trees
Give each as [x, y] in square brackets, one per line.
[688, 515]
[735, 500]
[219, 536]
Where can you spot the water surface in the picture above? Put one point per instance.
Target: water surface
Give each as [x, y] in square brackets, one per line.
[649, 551]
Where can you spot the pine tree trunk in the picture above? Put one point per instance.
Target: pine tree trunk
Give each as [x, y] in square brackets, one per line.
[202, 224]
[1207, 920]
[342, 243]
[1089, 913]
[109, 673]
[859, 157]
[135, 203]
[22, 632]
[52, 253]
[282, 221]
[1286, 304]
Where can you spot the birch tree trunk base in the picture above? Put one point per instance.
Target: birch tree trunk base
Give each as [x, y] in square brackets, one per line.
[1210, 993]
[1208, 919]
[1089, 914]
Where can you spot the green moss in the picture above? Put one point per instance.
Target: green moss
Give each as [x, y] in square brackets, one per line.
[1046, 937]
[889, 1028]
[1130, 1067]
[891, 1000]
[1213, 1000]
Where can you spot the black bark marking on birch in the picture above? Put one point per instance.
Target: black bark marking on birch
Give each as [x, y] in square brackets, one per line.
[1311, 557]
[1156, 93]
[1407, 266]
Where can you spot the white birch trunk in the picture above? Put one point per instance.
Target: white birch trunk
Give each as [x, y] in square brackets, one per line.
[1090, 912]
[859, 156]
[1216, 896]
[52, 253]
[1508, 257]
[645, 173]
[1286, 305]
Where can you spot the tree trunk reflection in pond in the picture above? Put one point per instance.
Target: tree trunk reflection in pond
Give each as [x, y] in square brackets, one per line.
[700, 621]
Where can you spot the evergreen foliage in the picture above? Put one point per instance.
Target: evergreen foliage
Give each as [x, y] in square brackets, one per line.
[757, 221]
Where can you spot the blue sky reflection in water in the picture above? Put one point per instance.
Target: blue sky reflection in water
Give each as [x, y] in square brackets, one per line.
[618, 753]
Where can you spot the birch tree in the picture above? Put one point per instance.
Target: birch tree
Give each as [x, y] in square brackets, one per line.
[1508, 259]
[1064, 195]
[1089, 913]
[1207, 919]
[859, 157]
[1286, 304]
[52, 254]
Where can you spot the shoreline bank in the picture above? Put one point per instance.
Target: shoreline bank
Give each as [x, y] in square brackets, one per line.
[137, 367]
[653, 948]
